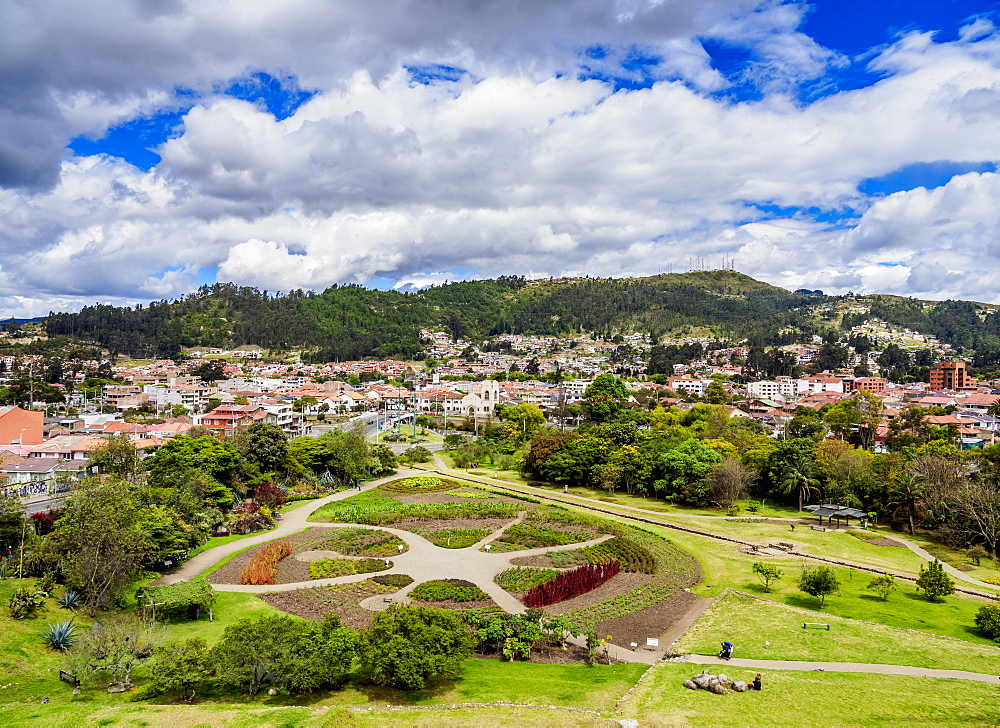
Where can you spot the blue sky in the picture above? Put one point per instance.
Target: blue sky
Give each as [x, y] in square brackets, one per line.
[836, 145]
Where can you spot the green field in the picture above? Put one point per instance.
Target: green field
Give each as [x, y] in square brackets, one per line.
[749, 623]
[812, 699]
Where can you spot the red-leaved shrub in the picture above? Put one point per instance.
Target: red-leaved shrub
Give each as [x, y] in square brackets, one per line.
[263, 566]
[571, 584]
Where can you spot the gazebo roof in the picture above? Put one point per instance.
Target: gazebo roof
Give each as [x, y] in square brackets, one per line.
[828, 510]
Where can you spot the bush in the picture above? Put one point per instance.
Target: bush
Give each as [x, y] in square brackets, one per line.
[897, 524]
[263, 566]
[407, 645]
[571, 584]
[25, 603]
[70, 600]
[934, 582]
[820, 582]
[988, 621]
[448, 590]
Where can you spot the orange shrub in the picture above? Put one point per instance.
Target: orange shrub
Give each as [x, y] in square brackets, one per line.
[263, 566]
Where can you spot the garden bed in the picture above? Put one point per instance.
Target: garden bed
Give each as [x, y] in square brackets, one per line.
[652, 621]
[342, 599]
[546, 655]
[450, 594]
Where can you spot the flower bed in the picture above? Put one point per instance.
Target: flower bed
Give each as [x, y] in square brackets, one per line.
[375, 509]
[362, 542]
[632, 556]
[448, 590]
[422, 484]
[571, 584]
[331, 568]
[519, 579]
[263, 566]
[455, 538]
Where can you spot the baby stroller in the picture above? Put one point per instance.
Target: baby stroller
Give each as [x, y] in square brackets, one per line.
[727, 651]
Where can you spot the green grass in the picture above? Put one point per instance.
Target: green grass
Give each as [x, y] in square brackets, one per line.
[812, 699]
[748, 622]
[229, 608]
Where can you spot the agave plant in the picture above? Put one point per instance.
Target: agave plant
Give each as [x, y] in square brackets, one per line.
[60, 636]
[69, 600]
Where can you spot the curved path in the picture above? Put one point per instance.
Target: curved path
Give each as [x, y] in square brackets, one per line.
[290, 523]
[840, 667]
[947, 567]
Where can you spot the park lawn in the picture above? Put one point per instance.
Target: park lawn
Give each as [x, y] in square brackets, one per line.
[748, 622]
[229, 716]
[229, 608]
[811, 699]
[829, 544]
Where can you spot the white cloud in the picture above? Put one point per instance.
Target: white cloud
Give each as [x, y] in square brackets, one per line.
[511, 169]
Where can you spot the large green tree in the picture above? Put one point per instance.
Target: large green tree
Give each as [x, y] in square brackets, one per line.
[264, 444]
[404, 646]
[181, 455]
[605, 397]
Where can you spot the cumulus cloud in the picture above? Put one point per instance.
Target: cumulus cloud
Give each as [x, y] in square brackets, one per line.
[522, 165]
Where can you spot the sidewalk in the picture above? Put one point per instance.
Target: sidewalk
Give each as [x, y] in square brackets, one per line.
[839, 667]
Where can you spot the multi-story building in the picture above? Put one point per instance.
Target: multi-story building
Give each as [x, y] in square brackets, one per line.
[949, 375]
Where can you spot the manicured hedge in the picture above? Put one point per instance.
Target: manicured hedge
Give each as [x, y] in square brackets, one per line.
[571, 584]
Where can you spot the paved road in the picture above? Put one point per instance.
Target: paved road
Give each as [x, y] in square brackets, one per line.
[839, 667]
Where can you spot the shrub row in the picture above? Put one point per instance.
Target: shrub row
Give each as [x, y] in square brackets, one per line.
[571, 584]
[262, 567]
[632, 556]
[448, 590]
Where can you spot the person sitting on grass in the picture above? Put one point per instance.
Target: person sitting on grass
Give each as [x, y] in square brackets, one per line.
[757, 684]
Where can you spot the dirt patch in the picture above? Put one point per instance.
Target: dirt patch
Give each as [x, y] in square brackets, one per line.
[446, 497]
[965, 567]
[439, 524]
[885, 542]
[452, 604]
[619, 583]
[341, 599]
[547, 655]
[652, 621]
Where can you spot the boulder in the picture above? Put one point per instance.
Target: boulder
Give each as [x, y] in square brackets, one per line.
[690, 685]
[739, 686]
[712, 683]
[701, 680]
[723, 678]
[718, 688]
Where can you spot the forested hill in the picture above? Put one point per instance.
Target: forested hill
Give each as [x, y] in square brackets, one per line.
[350, 322]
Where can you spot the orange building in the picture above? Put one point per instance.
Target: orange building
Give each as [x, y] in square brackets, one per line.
[949, 375]
[23, 427]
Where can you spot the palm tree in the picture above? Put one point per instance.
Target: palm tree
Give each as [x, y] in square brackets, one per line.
[801, 475]
[908, 490]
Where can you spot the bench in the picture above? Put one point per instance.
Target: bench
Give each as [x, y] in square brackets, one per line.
[816, 624]
[817, 528]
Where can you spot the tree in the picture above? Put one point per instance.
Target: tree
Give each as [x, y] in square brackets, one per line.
[605, 397]
[181, 665]
[684, 468]
[883, 585]
[416, 454]
[117, 456]
[820, 581]
[317, 655]
[800, 475]
[14, 525]
[934, 582]
[767, 573]
[978, 506]
[527, 417]
[905, 494]
[404, 646]
[988, 620]
[102, 540]
[729, 481]
[183, 454]
[116, 645]
[248, 650]
[263, 444]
